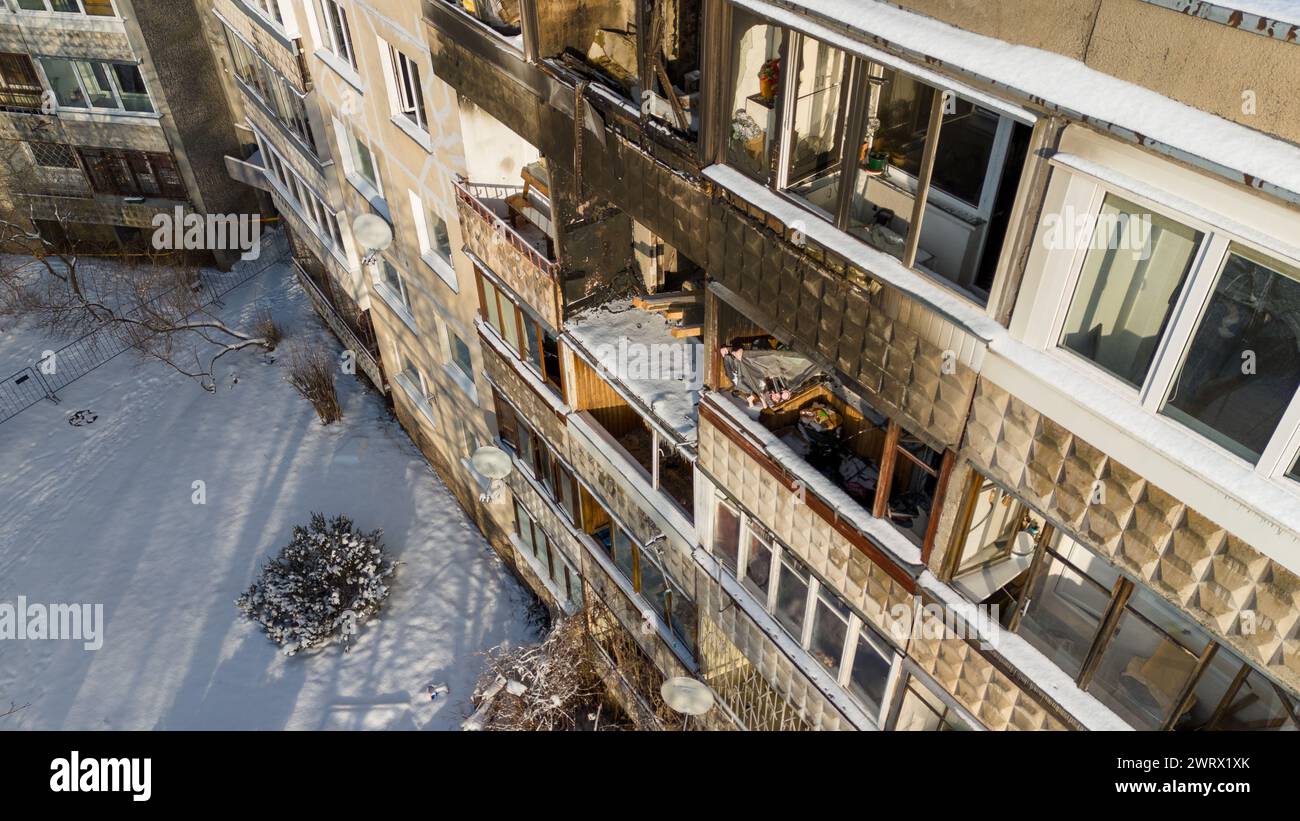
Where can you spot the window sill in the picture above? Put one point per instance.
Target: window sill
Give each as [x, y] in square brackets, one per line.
[413, 394]
[82, 115]
[371, 194]
[342, 68]
[443, 269]
[394, 303]
[413, 131]
[277, 31]
[463, 382]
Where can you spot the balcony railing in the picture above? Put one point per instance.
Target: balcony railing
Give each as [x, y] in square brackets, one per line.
[478, 196]
[366, 360]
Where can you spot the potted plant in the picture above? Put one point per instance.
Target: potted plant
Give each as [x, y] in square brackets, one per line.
[768, 77]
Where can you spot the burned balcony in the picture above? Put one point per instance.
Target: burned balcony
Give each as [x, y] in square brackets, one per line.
[508, 229]
[840, 447]
[648, 55]
[638, 373]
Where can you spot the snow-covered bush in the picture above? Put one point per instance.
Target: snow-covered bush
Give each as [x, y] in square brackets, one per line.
[326, 582]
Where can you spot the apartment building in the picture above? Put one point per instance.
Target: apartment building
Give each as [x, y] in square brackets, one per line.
[910, 365]
[110, 114]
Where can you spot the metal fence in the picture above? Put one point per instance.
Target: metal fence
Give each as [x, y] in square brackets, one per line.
[54, 372]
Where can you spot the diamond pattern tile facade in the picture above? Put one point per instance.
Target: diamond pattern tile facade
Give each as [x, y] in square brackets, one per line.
[997, 701]
[900, 370]
[1242, 596]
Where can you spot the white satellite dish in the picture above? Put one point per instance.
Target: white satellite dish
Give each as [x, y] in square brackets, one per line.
[492, 463]
[374, 234]
[687, 696]
[1024, 544]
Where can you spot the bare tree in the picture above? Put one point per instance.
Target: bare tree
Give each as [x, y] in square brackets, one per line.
[155, 303]
[547, 686]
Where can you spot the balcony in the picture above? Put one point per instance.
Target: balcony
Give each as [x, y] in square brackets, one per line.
[638, 374]
[508, 230]
[348, 322]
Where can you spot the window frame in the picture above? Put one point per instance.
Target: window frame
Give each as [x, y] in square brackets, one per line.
[81, 4]
[1086, 195]
[329, 32]
[859, 72]
[857, 624]
[406, 91]
[115, 86]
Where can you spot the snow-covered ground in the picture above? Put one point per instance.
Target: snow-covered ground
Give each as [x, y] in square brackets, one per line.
[104, 514]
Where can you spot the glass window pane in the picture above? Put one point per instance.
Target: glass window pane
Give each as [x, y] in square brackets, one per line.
[792, 596]
[653, 586]
[1144, 668]
[911, 493]
[870, 674]
[830, 629]
[1243, 366]
[526, 446]
[510, 325]
[1130, 280]
[1260, 705]
[1066, 605]
[622, 553]
[491, 307]
[820, 108]
[94, 79]
[524, 523]
[460, 354]
[726, 535]
[63, 81]
[1294, 472]
[683, 616]
[135, 97]
[758, 568]
[755, 77]
[889, 159]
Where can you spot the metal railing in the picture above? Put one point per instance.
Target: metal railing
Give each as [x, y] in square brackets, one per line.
[473, 194]
[366, 360]
[60, 368]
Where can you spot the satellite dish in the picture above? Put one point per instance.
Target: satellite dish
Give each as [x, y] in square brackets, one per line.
[492, 463]
[687, 696]
[374, 234]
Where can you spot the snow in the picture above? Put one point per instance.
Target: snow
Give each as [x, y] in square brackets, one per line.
[103, 514]
[638, 346]
[1061, 81]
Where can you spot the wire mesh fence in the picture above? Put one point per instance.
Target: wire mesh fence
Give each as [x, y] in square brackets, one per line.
[60, 368]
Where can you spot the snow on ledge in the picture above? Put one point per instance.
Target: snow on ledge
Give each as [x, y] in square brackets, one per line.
[606, 331]
[1061, 81]
[1045, 675]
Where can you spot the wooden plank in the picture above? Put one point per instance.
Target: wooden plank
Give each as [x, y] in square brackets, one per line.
[688, 330]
